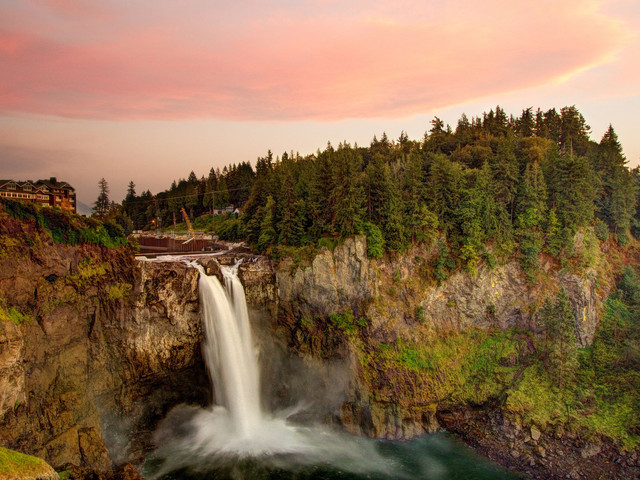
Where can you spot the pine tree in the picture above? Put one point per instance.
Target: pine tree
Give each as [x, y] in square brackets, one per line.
[320, 184]
[560, 348]
[574, 131]
[101, 205]
[616, 201]
[552, 125]
[531, 214]
[222, 192]
[347, 195]
[445, 188]
[192, 198]
[476, 218]
[209, 200]
[635, 221]
[287, 223]
[384, 203]
[268, 236]
[420, 223]
[525, 125]
[553, 236]
[506, 173]
[131, 191]
[575, 192]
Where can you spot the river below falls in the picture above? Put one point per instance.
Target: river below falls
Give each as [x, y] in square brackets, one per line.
[431, 457]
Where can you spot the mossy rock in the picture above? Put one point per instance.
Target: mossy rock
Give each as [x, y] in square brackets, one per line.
[18, 466]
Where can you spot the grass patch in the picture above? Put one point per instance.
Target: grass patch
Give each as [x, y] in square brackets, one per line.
[344, 322]
[8, 245]
[118, 290]
[89, 271]
[469, 367]
[14, 464]
[12, 314]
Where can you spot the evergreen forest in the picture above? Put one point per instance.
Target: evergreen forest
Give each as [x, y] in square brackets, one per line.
[493, 187]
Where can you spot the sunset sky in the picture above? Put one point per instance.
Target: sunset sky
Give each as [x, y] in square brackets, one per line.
[148, 91]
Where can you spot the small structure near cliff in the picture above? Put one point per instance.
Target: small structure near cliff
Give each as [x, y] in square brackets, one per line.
[48, 193]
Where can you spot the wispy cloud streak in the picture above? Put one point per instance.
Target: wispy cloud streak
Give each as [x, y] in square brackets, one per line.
[288, 60]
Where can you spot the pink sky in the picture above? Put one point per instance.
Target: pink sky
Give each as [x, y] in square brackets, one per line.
[148, 91]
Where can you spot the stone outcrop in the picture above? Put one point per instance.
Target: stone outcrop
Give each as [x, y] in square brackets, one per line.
[96, 347]
[332, 281]
[399, 300]
[553, 454]
[497, 297]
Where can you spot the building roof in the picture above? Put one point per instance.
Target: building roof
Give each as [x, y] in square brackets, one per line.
[54, 183]
[39, 185]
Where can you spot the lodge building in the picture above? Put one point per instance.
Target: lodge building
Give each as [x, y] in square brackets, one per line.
[48, 193]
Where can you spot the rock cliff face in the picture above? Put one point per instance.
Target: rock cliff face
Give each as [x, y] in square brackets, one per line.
[400, 303]
[88, 367]
[96, 347]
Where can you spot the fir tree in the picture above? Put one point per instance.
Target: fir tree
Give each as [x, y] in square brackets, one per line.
[560, 348]
[531, 214]
[347, 195]
[268, 236]
[101, 205]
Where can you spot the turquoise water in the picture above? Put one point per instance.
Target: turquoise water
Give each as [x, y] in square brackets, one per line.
[431, 457]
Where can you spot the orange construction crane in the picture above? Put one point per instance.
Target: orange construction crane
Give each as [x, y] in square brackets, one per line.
[186, 219]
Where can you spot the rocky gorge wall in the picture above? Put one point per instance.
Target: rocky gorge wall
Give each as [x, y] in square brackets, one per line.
[395, 305]
[100, 350]
[96, 347]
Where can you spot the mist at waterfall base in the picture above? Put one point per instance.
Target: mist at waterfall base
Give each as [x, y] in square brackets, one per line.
[236, 439]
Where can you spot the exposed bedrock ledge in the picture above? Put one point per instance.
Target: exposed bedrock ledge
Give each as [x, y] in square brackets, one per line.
[87, 379]
[398, 301]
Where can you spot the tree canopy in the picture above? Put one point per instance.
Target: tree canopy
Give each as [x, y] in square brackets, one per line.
[497, 184]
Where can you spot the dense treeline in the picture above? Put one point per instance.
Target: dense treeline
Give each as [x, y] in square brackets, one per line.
[494, 185]
[220, 189]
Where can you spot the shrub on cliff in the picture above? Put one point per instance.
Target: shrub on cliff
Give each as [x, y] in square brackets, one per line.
[64, 227]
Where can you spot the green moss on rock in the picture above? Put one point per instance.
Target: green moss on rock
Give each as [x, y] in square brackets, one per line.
[15, 465]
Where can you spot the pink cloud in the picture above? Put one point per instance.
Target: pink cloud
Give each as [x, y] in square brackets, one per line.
[296, 60]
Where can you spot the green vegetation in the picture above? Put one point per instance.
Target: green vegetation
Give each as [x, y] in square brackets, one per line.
[88, 272]
[14, 464]
[471, 367]
[118, 290]
[12, 314]
[346, 322]
[64, 227]
[543, 380]
[494, 186]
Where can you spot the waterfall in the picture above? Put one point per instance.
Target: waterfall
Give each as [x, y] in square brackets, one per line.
[228, 349]
[235, 427]
[234, 438]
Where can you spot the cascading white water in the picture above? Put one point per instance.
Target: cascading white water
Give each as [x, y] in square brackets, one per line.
[235, 426]
[228, 349]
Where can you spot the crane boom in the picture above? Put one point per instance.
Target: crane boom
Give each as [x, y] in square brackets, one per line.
[186, 219]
